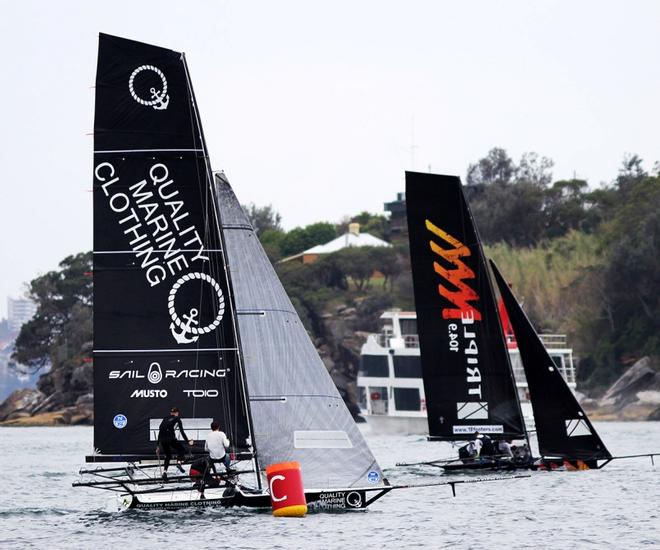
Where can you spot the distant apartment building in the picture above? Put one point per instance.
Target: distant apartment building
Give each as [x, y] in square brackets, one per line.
[19, 311]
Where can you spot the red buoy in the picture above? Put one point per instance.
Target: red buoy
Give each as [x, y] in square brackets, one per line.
[287, 495]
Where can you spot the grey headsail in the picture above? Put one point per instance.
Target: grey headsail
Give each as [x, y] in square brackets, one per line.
[297, 412]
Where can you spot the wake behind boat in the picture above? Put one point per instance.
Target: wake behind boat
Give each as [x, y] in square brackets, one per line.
[188, 311]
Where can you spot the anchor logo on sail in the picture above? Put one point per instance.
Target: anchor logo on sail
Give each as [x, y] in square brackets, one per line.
[185, 329]
[158, 100]
[354, 499]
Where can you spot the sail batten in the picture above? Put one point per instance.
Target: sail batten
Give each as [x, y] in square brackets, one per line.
[563, 428]
[468, 380]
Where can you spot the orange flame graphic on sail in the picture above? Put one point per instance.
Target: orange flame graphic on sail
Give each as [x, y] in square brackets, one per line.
[455, 276]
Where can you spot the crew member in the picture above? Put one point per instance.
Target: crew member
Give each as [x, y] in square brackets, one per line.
[474, 446]
[216, 445]
[504, 448]
[522, 454]
[487, 449]
[167, 440]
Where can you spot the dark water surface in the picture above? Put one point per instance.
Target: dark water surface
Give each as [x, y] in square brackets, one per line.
[617, 507]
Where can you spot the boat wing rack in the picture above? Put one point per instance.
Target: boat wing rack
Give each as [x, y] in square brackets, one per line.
[445, 461]
[239, 454]
[126, 482]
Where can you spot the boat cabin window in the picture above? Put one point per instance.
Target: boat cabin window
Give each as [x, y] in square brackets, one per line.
[374, 365]
[408, 326]
[378, 398]
[387, 330]
[407, 399]
[407, 366]
[558, 361]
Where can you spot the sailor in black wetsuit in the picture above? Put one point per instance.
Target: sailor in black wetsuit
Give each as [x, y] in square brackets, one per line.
[167, 440]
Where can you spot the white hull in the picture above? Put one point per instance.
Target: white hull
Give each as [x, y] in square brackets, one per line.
[394, 425]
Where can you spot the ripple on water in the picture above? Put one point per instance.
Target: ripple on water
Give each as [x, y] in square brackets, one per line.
[598, 509]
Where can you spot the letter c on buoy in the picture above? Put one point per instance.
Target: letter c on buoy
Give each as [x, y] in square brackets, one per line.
[272, 493]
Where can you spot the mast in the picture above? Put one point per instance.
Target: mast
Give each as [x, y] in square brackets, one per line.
[211, 189]
[466, 368]
[500, 330]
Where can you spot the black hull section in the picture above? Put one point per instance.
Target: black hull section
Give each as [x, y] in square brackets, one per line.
[317, 501]
[491, 465]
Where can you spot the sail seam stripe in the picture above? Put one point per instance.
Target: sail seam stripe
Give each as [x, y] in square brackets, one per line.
[238, 226]
[262, 310]
[109, 151]
[195, 250]
[161, 350]
[261, 397]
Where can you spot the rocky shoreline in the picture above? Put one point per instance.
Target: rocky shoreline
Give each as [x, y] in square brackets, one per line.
[634, 396]
[64, 396]
[31, 407]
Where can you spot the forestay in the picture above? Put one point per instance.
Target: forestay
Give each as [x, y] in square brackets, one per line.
[562, 427]
[163, 327]
[468, 380]
[297, 412]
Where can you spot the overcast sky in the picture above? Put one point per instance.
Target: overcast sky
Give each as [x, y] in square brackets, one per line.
[309, 106]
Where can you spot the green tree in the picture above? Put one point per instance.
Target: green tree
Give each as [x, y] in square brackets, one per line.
[374, 224]
[620, 310]
[631, 173]
[301, 238]
[271, 240]
[565, 208]
[508, 200]
[385, 261]
[62, 324]
[535, 169]
[497, 167]
[358, 263]
[263, 218]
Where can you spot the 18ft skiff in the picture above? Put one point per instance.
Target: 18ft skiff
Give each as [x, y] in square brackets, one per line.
[188, 311]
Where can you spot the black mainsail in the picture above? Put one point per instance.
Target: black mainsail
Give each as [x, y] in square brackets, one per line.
[563, 428]
[468, 380]
[164, 327]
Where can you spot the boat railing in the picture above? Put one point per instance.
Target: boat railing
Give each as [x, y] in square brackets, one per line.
[567, 370]
[412, 340]
[383, 339]
[554, 340]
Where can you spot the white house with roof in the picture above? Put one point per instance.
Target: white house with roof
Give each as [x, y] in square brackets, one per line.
[352, 237]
